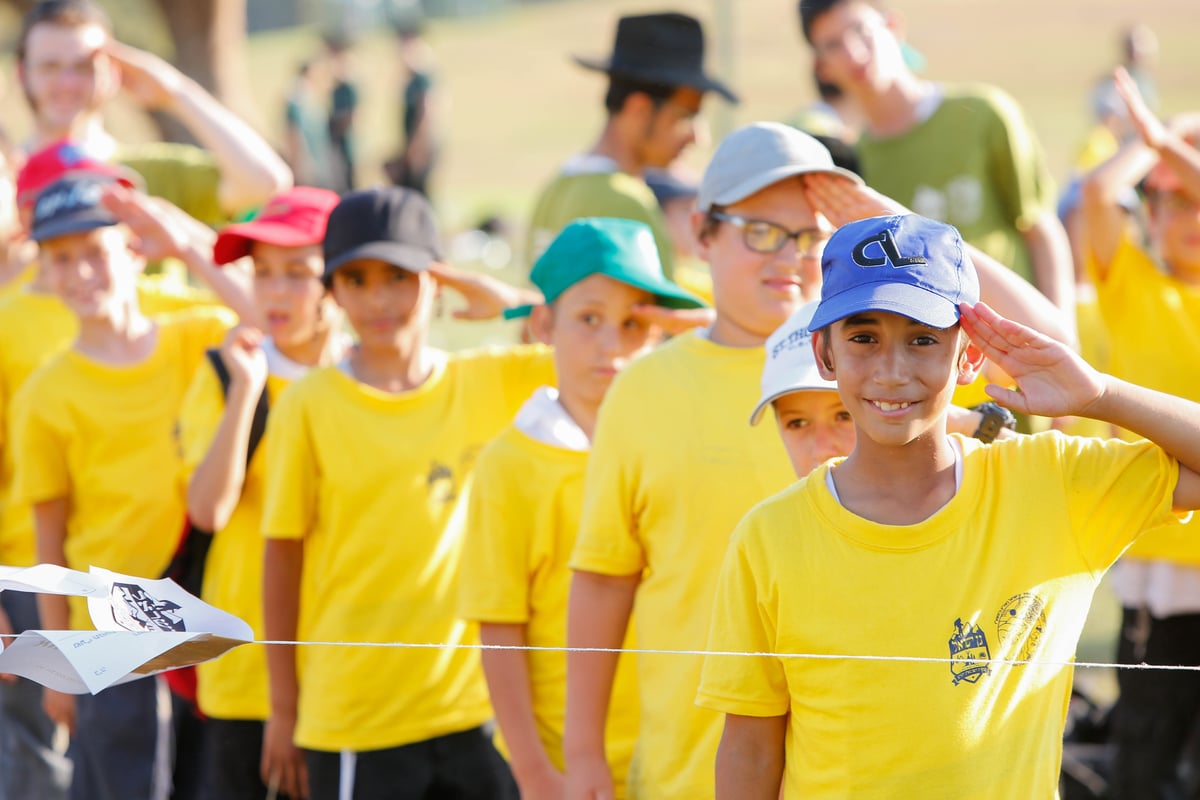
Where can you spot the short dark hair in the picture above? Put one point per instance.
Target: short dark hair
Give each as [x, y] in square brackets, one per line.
[811, 10]
[621, 89]
[68, 13]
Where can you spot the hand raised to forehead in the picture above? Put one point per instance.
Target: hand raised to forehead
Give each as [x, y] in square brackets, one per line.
[153, 82]
[842, 201]
[1052, 379]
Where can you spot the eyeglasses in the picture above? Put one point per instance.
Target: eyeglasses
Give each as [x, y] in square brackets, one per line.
[767, 237]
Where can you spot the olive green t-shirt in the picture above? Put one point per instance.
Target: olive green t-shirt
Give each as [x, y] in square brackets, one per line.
[974, 163]
[585, 192]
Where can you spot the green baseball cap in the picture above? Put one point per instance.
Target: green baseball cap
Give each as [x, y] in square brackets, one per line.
[622, 249]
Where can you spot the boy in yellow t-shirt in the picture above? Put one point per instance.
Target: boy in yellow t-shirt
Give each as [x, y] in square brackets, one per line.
[1149, 298]
[672, 470]
[913, 546]
[96, 458]
[369, 467]
[528, 494]
[225, 478]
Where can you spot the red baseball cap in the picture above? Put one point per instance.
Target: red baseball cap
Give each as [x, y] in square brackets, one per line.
[293, 219]
[60, 160]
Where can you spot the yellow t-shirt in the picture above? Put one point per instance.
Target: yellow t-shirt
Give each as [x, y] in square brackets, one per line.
[103, 437]
[235, 685]
[33, 327]
[674, 466]
[523, 517]
[1154, 325]
[373, 483]
[975, 580]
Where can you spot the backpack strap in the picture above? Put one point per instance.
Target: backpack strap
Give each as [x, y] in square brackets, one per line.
[258, 426]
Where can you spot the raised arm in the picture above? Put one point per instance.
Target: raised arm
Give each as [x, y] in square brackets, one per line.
[1053, 270]
[216, 485]
[251, 171]
[1054, 381]
[165, 231]
[1168, 141]
[842, 202]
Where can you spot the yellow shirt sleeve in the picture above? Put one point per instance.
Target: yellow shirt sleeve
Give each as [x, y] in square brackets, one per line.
[39, 448]
[743, 621]
[608, 542]
[1119, 490]
[290, 498]
[495, 571]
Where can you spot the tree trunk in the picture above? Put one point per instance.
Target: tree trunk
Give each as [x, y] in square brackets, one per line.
[210, 47]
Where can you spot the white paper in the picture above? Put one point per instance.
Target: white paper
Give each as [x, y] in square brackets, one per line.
[143, 627]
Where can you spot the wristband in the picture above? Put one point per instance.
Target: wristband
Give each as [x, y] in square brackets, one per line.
[995, 418]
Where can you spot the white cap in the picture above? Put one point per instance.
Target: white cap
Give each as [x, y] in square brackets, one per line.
[758, 155]
[791, 365]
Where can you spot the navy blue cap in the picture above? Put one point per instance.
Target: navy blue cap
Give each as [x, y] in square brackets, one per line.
[905, 264]
[392, 224]
[71, 205]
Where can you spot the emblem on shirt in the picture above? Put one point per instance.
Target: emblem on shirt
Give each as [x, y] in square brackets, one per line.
[969, 652]
[135, 609]
[1021, 620]
[440, 483]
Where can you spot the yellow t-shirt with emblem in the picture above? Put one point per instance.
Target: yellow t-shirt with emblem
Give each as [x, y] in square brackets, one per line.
[674, 466]
[235, 685]
[524, 514]
[103, 437]
[1154, 325]
[977, 580]
[33, 328]
[374, 484]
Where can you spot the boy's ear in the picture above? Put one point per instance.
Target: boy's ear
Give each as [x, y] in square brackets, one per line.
[698, 220]
[541, 323]
[823, 355]
[970, 362]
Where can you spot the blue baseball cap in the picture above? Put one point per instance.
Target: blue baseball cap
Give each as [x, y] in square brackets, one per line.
[71, 205]
[905, 264]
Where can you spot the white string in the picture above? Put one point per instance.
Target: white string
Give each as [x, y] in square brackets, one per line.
[729, 653]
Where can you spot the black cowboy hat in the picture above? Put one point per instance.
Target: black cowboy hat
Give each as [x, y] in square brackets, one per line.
[667, 49]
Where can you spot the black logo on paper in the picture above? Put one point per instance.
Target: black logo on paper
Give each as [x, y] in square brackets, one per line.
[890, 254]
[135, 609]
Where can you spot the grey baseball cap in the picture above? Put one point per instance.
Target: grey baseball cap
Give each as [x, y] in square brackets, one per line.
[757, 155]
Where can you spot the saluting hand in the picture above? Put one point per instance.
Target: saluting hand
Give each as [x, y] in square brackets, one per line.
[842, 201]
[153, 82]
[1052, 379]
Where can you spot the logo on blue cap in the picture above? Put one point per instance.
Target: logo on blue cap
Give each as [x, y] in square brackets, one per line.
[904, 264]
[891, 254]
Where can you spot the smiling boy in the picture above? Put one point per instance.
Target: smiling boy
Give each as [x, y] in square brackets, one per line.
[914, 546]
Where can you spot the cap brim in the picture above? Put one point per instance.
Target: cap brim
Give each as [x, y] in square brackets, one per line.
[663, 77]
[404, 256]
[236, 241]
[799, 386]
[761, 181]
[909, 301]
[69, 226]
